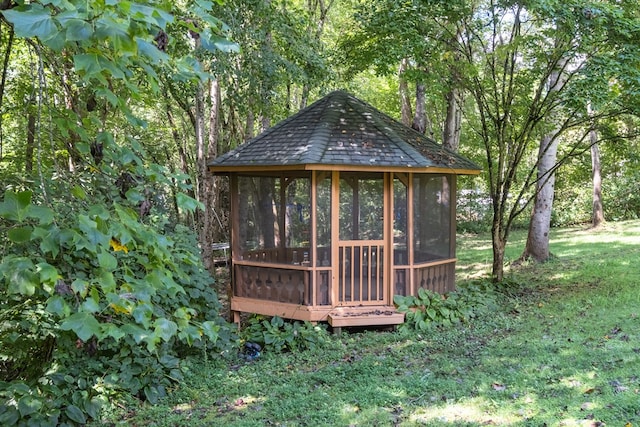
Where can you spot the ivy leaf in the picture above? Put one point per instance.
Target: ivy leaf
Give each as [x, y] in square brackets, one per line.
[139, 334]
[111, 330]
[31, 21]
[165, 328]
[142, 314]
[210, 329]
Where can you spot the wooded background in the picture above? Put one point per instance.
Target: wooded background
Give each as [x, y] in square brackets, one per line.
[110, 110]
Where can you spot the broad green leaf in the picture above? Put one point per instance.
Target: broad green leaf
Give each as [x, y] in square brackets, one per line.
[165, 328]
[27, 405]
[214, 43]
[109, 96]
[151, 51]
[57, 305]
[43, 213]
[210, 330]
[90, 305]
[14, 207]
[31, 21]
[188, 203]
[139, 334]
[99, 211]
[10, 417]
[107, 282]
[77, 30]
[90, 229]
[111, 330]
[78, 192]
[49, 239]
[151, 15]
[94, 65]
[83, 324]
[20, 274]
[80, 287]
[107, 261]
[20, 234]
[75, 414]
[142, 314]
[432, 313]
[92, 408]
[48, 273]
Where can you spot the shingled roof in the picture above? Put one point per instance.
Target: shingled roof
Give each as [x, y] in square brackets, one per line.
[342, 131]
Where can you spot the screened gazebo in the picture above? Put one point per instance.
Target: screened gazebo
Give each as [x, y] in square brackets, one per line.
[337, 209]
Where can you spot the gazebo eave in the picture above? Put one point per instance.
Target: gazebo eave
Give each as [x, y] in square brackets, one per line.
[259, 169]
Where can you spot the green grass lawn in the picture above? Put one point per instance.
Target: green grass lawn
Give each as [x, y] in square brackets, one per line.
[562, 349]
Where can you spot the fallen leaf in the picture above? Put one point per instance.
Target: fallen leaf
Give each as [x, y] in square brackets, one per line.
[499, 387]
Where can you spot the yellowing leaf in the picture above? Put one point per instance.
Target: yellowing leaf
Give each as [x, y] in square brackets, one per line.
[117, 246]
[120, 309]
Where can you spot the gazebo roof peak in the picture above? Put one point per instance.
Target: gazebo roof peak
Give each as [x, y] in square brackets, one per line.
[342, 131]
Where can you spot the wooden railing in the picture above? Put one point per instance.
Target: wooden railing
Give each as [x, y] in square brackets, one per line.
[281, 284]
[361, 274]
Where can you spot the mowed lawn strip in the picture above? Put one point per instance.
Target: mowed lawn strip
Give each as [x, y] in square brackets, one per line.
[562, 348]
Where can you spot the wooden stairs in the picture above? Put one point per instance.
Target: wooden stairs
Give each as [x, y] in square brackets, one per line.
[364, 316]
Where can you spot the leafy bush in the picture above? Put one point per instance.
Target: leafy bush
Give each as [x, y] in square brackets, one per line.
[98, 297]
[429, 309]
[278, 335]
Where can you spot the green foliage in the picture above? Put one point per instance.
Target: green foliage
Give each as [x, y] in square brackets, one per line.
[278, 335]
[97, 299]
[429, 309]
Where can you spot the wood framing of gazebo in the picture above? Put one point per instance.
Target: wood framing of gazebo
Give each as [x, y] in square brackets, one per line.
[337, 209]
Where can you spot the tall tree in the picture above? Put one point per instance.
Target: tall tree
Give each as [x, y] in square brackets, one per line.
[537, 245]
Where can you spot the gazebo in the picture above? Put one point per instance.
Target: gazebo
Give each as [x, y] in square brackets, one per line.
[337, 209]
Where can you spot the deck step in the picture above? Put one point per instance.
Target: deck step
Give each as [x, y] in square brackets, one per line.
[365, 316]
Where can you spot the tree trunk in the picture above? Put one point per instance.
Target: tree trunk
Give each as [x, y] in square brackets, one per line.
[537, 246]
[3, 79]
[420, 117]
[499, 242]
[201, 162]
[451, 134]
[598, 210]
[207, 182]
[405, 99]
[31, 137]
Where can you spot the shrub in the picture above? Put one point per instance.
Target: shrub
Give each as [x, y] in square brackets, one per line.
[276, 334]
[429, 309]
[97, 298]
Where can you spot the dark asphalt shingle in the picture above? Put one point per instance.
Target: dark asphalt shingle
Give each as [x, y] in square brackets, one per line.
[342, 130]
